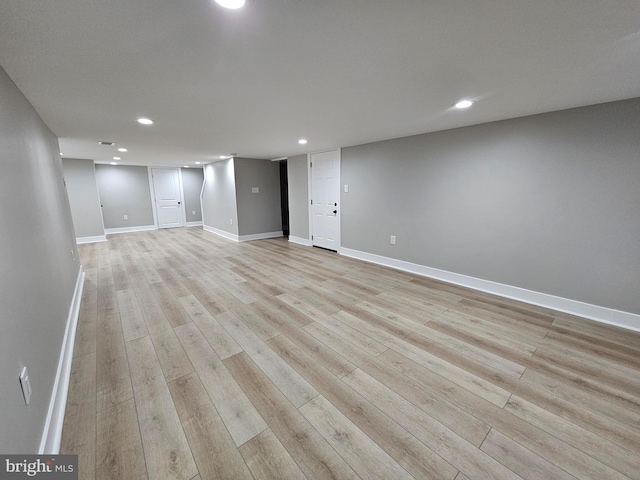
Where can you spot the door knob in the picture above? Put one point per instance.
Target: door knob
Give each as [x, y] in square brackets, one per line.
[335, 211]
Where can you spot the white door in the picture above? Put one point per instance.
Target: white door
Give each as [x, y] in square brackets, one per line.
[325, 197]
[168, 195]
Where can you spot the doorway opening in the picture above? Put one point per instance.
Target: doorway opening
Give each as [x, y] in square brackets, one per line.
[284, 198]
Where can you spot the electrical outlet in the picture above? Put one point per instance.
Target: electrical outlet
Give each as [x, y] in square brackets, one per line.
[126, 217]
[393, 239]
[25, 383]
[193, 212]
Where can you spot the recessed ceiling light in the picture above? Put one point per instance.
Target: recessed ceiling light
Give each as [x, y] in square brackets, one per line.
[114, 163]
[145, 121]
[123, 150]
[61, 153]
[232, 4]
[117, 158]
[302, 141]
[464, 104]
[186, 166]
[108, 144]
[197, 163]
[222, 157]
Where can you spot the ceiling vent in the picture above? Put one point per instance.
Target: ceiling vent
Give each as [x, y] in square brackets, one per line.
[108, 144]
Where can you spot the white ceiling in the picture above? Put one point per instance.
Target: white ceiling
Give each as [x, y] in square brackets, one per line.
[338, 72]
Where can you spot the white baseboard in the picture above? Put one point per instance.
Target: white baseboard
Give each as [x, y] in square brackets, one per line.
[142, 228]
[241, 238]
[630, 321]
[261, 236]
[94, 239]
[221, 233]
[300, 241]
[193, 224]
[52, 433]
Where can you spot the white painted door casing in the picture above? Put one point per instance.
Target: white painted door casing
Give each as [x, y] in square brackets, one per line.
[167, 190]
[325, 199]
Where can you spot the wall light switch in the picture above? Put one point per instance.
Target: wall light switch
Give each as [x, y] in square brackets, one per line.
[255, 190]
[346, 188]
[193, 212]
[393, 239]
[126, 217]
[25, 383]
[231, 221]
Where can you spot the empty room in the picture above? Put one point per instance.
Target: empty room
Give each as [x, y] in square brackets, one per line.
[257, 239]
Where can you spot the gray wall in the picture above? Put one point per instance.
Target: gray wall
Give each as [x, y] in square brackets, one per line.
[549, 203]
[38, 267]
[297, 174]
[124, 190]
[219, 197]
[258, 212]
[192, 179]
[80, 177]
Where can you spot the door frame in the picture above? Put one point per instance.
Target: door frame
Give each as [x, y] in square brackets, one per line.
[152, 192]
[310, 195]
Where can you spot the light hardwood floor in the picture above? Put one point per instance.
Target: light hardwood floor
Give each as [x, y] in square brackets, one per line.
[200, 358]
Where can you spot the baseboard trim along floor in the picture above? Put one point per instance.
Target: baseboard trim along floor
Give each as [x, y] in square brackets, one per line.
[606, 315]
[52, 433]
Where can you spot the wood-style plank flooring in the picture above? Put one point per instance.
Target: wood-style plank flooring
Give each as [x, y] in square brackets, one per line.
[200, 358]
